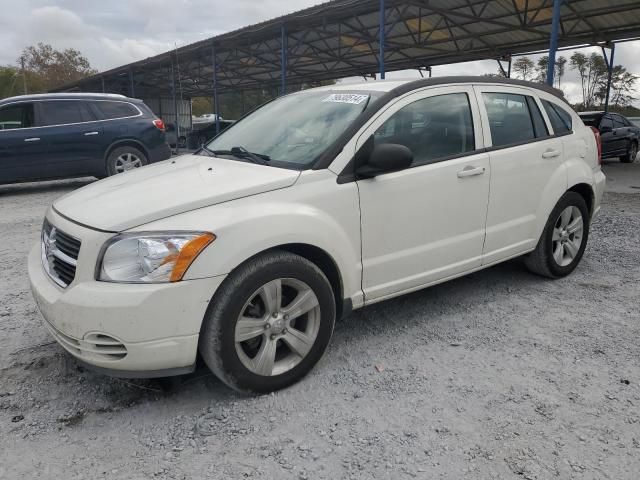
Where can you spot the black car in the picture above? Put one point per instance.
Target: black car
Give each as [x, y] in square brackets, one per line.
[619, 136]
[203, 132]
[67, 135]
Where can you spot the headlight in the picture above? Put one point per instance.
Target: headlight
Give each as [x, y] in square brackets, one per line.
[151, 257]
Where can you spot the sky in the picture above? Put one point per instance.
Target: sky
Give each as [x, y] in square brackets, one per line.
[116, 32]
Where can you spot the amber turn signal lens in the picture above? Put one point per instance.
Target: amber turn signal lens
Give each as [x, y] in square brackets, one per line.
[189, 253]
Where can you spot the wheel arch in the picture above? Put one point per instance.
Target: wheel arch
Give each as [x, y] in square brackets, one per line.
[585, 191]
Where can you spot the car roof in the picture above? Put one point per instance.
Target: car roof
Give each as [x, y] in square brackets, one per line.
[399, 87]
[590, 114]
[66, 96]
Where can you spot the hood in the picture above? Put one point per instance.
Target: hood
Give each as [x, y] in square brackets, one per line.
[168, 188]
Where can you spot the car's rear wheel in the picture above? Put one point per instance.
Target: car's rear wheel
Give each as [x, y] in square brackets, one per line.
[632, 153]
[269, 323]
[563, 240]
[123, 159]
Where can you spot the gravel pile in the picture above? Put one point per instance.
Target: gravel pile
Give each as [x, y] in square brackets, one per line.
[497, 375]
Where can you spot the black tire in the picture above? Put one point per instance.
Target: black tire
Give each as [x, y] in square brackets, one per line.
[541, 261]
[217, 337]
[113, 160]
[631, 154]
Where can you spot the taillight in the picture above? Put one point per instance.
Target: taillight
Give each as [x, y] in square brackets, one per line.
[159, 124]
[596, 133]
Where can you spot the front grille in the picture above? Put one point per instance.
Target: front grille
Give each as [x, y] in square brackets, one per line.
[59, 254]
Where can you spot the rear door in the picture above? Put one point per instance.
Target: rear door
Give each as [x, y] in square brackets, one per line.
[622, 132]
[21, 150]
[526, 161]
[71, 135]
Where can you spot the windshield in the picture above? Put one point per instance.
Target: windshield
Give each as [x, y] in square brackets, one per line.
[294, 130]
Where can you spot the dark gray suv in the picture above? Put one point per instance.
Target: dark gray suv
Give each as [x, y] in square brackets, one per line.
[67, 135]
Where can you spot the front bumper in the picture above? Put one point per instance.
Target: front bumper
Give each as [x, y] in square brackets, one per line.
[130, 329]
[600, 183]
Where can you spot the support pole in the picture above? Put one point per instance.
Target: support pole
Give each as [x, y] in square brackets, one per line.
[175, 106]
[283, 59]
[102, 81]
[24, 76]
[553, 47]
[509, 68]
[381, 40]
[610, 74]
[215, 89]
[132, 90]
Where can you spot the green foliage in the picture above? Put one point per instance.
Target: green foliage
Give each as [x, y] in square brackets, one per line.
[45, 68]
[524, 68]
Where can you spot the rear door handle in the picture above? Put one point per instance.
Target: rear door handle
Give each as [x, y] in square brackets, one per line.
[32, 139]
[88, 134]
[470, 171]
[551, 154]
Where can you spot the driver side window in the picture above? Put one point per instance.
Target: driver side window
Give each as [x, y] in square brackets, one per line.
[433, 128]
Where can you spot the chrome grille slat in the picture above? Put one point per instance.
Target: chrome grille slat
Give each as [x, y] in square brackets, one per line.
[59, 254]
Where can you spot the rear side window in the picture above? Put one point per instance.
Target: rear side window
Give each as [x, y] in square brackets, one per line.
[590, 121]
[511, 119]
[16, 116]
[560, 119]
[618, 121]
[63, 112]
[110, 110]
[606, 122]
[432, 128]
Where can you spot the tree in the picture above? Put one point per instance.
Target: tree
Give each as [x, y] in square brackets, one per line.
[49, 67]
[524, 67]
[561, 66]
[542, 68]
[10, 83]
[622, 87]
[592, 70]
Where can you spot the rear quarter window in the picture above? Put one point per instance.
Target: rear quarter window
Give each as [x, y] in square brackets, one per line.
[560, 119]
[109, 110]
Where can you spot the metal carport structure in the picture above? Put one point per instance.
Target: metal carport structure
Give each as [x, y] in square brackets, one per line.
[344, 38]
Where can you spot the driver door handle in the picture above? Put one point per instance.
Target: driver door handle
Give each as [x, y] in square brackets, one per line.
[551, 154]
[32, 139]
[470, 171]
[88, 134]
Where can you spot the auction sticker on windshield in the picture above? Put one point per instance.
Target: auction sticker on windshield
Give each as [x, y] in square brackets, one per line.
[354, 98]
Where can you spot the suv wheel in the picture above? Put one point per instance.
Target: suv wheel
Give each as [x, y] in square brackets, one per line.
[269, 323]
[123, 159]
[632, 153]
[563, 240]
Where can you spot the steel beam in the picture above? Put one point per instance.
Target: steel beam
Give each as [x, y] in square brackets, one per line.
[381, 36]
[283, 59]
[216, 105]
[132, 90]
[175, 106]
[609, 74]
[553, 47]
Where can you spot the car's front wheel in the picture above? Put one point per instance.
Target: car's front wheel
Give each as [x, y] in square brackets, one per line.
[269, 323]
[563, 240]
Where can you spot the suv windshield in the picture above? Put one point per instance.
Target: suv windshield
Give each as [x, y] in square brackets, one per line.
[294, 130]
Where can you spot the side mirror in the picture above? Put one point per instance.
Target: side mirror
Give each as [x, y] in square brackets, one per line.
[385, 158]
[606, 129]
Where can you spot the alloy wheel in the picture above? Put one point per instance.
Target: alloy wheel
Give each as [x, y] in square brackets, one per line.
[567, 236]
[277, 327]
[127, 161]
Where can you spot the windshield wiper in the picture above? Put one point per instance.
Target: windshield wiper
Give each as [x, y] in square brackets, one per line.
[244, 154]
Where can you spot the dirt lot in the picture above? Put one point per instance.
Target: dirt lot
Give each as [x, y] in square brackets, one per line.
[498, 375]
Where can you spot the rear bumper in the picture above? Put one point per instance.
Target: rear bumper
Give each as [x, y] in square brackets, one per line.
[599, 184]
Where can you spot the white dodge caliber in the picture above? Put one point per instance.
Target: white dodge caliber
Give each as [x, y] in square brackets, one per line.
[319, 202]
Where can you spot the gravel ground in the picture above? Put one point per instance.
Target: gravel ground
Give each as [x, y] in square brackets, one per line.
[498, 375]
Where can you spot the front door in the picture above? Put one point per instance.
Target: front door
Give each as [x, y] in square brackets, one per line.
[21, 149]
[426, 223]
